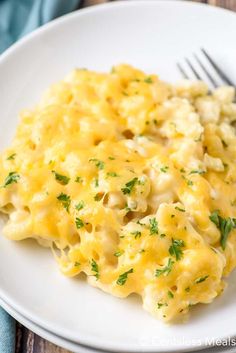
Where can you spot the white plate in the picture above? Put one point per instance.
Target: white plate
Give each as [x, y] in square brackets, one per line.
[76, 348]
[152, 35]
[49, 336]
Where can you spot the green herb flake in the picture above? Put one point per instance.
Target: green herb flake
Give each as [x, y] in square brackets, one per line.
[197, 172]
[62, 179]
[111, 158]
[95, 269]
[225, 225]
[224, 143]
[141, 224]
[162, 235]
[99, 164]
[166, 269]
[96, 182]
[129, 186]
[65, 201]
[170, 294]
[137, 234]
[119, 253]
[153, 226]
[164, 169]
[148, 80]
[112, 174]
[12, 178]
[175, 248]
[201, 279]
[77, 264]
[11, 157]
[179, 209]
[79, 206]
[155, 121]
[142, 181]
[160, 305]
[123, 277]
[189, 182]
[78, 179]
[98, 196]
[79, 223]
[225, 165]
[187, 289]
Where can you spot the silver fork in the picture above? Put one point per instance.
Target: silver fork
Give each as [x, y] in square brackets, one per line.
[210, 69]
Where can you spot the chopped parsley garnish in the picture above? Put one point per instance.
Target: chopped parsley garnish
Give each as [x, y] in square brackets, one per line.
[123, 277]
[160, 305]
[225, 165]
[142, 181]
[170, 294]
[164, 169]
[119, 253]
[111, 158]
[187, 289]
[79, 205]
[148, 80]
[62, 179]
[78, 179]
[189, 182]
[197, 172]
[129, 186]
[98, 196]
[96, 183]
[11, 157]
[175, 248]
[94, 268]
[166, 269]
[112, 174]
[162, 235]
[79, 223]
[12, 178]
[153, 226]
[179, 209]
[182, 170]
[137, 234]
[225, 225]
[77, 264]
[155, 121]
[201, 279]
[141, 224]
[65, 200]
[99, 164]
[224, 143]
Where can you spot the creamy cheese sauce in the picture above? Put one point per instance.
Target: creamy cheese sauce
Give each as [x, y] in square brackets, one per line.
[131, 181]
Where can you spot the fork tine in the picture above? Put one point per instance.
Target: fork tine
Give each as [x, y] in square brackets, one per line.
[222, 75]
[210, 77]
[182, 71]
[192, 68]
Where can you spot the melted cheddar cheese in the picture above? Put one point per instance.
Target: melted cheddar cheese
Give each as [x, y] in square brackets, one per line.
[131, 181]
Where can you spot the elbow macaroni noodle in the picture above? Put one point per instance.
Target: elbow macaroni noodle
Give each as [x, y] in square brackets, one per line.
[130, 180]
